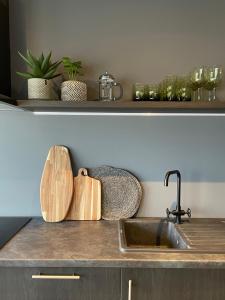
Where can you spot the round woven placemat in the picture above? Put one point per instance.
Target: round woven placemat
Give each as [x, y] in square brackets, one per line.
[121, 192]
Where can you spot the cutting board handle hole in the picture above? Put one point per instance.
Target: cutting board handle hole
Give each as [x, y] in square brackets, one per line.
[83, 172]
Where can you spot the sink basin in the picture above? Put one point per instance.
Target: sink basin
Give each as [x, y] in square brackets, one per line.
[144, 235]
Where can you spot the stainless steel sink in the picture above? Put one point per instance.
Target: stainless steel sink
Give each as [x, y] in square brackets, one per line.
[149, 235]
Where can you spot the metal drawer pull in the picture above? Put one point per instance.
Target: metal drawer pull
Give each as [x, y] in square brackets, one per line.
[55, 277]
[129, 289]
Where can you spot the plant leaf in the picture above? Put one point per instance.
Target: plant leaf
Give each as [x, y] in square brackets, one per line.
[49, 74]
[72, 68]
[37, 73]
[78, 63]
[25, 75]
[36, 70]
[32, 59]
[66, 59]
[46, 63]
[56, 75]
[54, 66]
[40, 67]
[27, 61]
[41, 59]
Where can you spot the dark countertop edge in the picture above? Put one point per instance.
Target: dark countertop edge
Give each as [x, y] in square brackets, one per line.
[175, 264]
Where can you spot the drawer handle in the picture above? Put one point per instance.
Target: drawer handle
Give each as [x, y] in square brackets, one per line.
[129, 289]
[55, 277]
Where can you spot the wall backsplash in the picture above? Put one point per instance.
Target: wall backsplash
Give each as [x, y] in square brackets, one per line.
[147, 146]
[137, 42]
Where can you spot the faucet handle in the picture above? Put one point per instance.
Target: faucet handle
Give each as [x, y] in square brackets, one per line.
[178, 213]
[188, 212]
[168, 213]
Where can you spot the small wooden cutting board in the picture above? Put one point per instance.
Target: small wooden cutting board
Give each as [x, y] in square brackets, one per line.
[86, 202]
[56, 189]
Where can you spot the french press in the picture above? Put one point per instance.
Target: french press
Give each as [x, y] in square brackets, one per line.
[107, 84]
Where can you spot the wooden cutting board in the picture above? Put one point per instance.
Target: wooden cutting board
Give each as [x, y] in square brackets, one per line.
[86, 202]
[56, 189]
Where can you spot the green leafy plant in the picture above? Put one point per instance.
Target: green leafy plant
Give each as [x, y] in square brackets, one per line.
[72, 68]
[41, 67]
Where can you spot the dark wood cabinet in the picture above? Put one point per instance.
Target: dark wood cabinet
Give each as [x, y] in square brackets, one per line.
[173, 284]
[111, 284]
[94, 284]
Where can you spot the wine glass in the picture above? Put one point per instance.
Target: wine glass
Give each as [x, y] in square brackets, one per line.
[213, 77]
[197, 82]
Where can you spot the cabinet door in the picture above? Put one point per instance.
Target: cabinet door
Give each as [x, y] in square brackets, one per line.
[93, 284]
[173, 284]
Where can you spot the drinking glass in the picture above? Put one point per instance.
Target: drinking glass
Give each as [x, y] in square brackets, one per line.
[153, 92]
[183, 90]
[213, 77]
[167, 89]
[139, 92]
[162, 91]
[197, 82]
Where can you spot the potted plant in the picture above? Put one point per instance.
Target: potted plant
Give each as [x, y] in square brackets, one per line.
[42, 71]
[72, 89]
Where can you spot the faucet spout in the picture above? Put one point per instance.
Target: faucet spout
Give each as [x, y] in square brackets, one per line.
[168, 174]
[178, 212]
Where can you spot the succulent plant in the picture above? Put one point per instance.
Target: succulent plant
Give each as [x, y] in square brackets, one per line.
[41, 67]
[72, 68]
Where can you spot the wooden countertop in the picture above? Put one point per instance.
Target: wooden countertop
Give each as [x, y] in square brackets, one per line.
[91, 243]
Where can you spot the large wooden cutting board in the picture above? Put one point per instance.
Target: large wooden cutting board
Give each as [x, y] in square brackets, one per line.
[56, 189]
[86, 203]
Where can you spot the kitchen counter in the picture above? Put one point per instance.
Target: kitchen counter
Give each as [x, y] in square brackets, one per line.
[92, 244]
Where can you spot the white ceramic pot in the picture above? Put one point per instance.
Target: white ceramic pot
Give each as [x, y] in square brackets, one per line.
[72, 90]
[39, 88]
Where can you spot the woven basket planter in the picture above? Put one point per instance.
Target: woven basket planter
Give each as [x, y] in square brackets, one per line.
[39, 88]
[74, 91]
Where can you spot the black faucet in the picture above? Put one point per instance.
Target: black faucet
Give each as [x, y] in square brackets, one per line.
[178, 212]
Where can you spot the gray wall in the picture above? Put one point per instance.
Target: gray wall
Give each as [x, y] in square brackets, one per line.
[136, 41]
[147, 146]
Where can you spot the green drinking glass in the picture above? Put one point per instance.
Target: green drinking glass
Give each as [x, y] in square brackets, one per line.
[141, 92]
[183, 90]
[167, 89]
[153, 92]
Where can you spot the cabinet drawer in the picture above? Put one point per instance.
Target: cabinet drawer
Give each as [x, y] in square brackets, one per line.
[59, 284]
